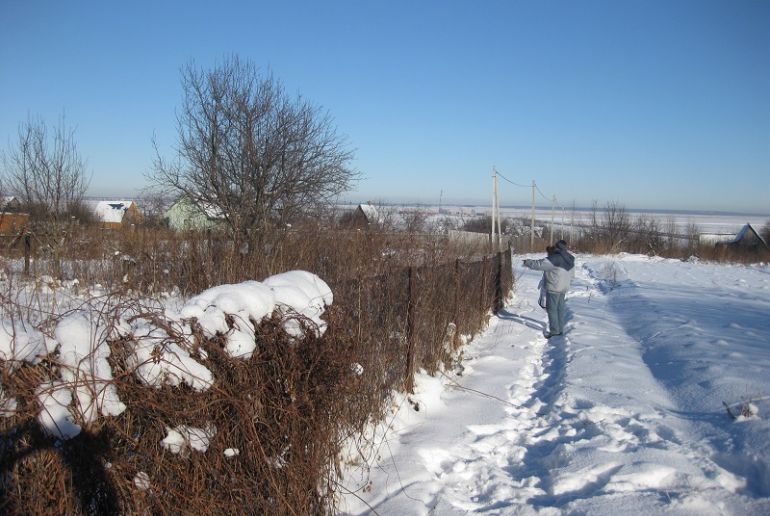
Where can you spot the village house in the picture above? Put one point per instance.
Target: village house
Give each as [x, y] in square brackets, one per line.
[12, 220]
[10, 204]
[747, 238]
[365, 215]
[117, 214]
[185, 215]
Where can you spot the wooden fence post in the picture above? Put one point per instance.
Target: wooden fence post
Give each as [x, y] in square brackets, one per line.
[508, 270]
[409, 379]
[484, 273]
[498, 304]
[456, 311]
[27, 252]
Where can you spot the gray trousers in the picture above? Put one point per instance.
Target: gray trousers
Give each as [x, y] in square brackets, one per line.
[556, 309]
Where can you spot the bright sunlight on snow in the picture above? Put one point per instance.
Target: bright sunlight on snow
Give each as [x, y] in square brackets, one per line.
[626, 414]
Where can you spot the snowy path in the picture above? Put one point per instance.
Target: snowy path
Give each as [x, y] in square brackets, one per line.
[587, 423]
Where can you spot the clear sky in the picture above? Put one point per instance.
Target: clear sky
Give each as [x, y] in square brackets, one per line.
[653, 104]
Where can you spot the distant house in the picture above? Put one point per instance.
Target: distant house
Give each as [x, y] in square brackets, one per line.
[117, 214]
[185, 214]
[12, 223]
[366, 214]
[746, 238]
[10, 204]
[11, 219]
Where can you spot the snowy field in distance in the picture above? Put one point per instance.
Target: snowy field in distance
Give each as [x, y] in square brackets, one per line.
[623, 415]
[707, 223]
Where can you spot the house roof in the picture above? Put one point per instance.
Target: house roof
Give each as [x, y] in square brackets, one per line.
[112, 211]
[370, 212]
[747, 234]
[745, 231]
[8, 200]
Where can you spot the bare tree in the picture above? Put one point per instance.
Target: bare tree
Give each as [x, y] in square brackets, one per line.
[45, 169]
[249, 151]
[616, 223]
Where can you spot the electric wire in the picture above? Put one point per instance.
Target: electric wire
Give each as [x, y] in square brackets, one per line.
[514, 184]
[537, 188]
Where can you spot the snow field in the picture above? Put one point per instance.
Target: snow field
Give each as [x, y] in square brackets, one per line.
[623, 415]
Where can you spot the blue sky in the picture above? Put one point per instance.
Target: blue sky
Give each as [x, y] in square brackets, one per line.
[653, 104]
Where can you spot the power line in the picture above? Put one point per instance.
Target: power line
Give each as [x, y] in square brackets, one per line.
[553, 200]
[541, 193]
[514, 184]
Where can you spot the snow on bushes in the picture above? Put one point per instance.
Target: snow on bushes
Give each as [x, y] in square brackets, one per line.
[18, 344]
[86, 378]
[55, 416]
[300, 293]
[162, 351]
[158, 360]
[183, 437]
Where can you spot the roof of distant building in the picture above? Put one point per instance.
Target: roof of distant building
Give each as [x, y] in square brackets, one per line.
[112, 211]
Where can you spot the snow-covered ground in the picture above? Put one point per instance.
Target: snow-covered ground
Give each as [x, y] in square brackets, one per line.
[566, 220]
[623, 415]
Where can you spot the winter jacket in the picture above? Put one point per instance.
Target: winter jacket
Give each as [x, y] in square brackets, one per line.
[558, 268]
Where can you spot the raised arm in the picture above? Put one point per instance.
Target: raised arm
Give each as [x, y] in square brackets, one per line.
[539, 265]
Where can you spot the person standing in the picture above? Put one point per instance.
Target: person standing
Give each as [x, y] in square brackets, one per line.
[558, 269]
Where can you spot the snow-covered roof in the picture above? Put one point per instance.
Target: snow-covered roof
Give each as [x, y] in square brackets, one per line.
[112, 211]
[370, 212]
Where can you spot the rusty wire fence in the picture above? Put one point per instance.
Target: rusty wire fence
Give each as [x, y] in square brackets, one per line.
[402, 304]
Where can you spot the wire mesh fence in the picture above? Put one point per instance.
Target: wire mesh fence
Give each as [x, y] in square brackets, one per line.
[278, 420]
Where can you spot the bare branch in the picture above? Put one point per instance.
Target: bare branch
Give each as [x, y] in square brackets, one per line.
[248, 149]
[45, 168]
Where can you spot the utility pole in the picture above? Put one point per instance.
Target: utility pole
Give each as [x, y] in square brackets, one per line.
[495, 215]
[553, 209]
[532, 226]
[499, 229]
[440, 198]
[494, 205]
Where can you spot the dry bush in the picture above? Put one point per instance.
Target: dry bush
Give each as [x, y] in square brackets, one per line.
[278, 409]
[732, 254]
[288, 409]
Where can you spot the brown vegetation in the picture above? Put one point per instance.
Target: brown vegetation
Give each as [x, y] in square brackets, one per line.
[401, 300]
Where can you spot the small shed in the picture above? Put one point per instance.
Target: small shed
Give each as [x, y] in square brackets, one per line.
[366, 214]
[12, 223]
[117, 214]
[185, 214]
[746, 238]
